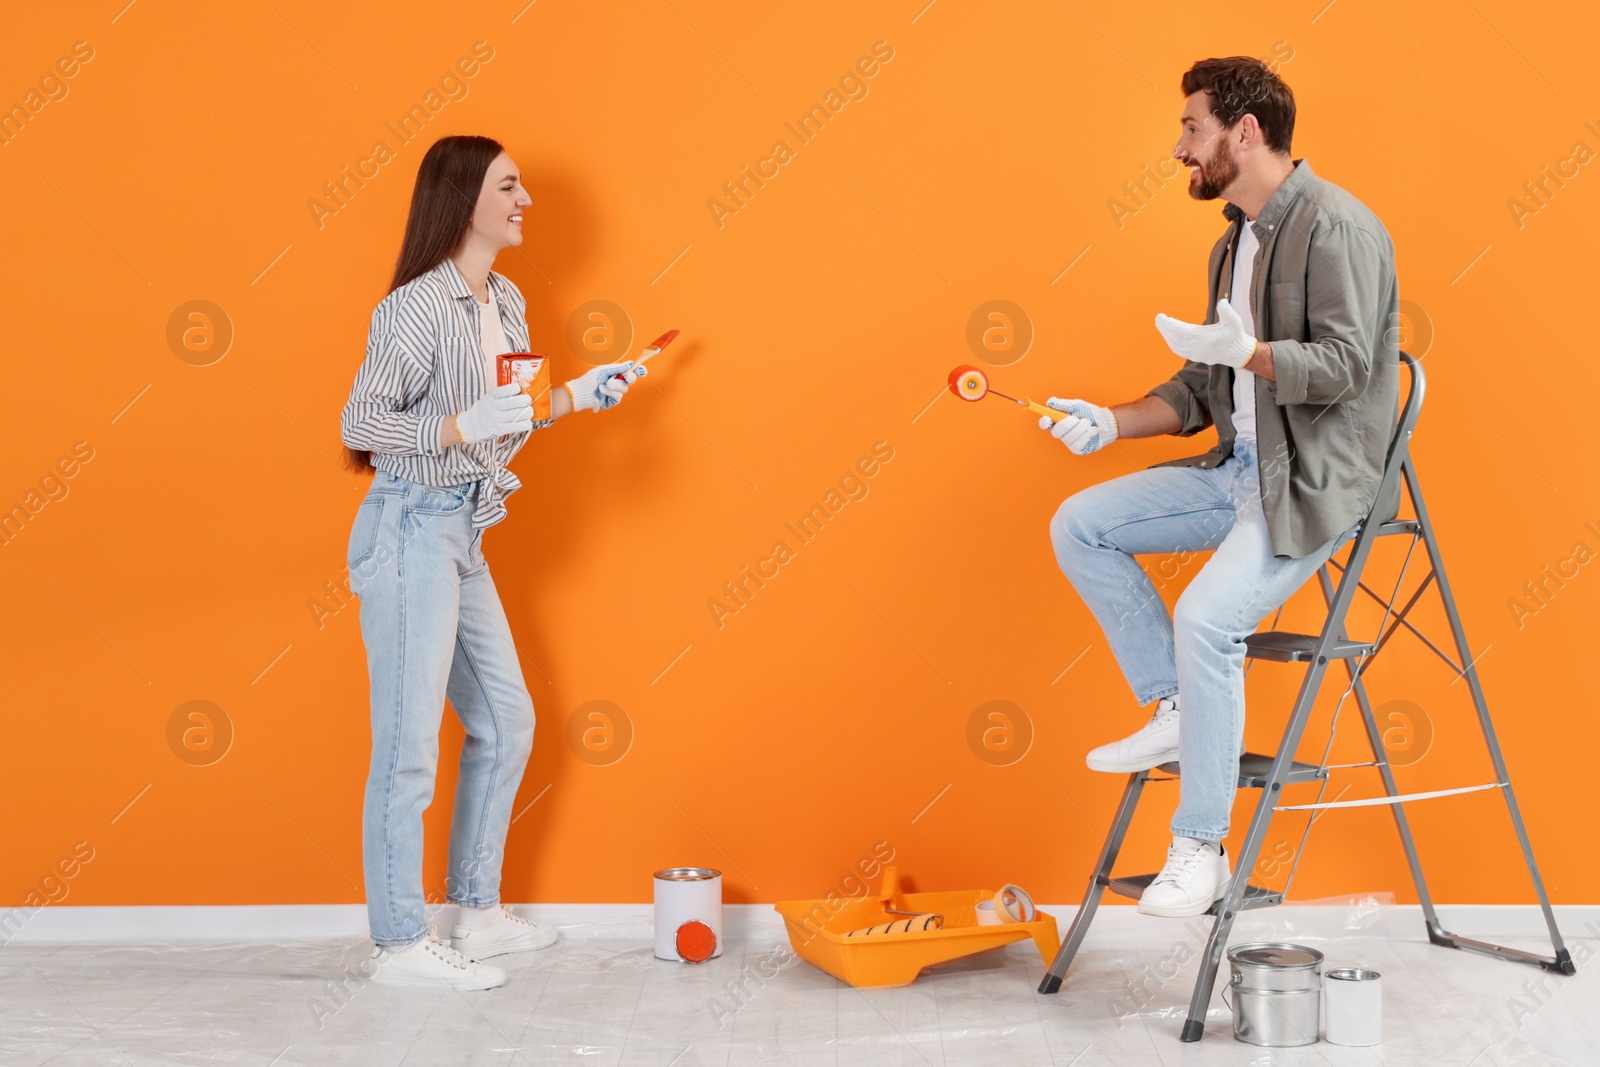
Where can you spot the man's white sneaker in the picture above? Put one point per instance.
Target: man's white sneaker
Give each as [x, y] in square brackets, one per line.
[1155, 743]
[508, 933]
[1195, 877]
[432, 964]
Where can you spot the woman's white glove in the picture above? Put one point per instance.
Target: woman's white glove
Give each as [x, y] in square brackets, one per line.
[1087, 427]
[505, 409]
[1225, 342]
[604, 386]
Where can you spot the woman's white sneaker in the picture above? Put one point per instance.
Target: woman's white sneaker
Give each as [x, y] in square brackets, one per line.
[1194, 878]
[1155, 743]
[432, 964]
[508, 933]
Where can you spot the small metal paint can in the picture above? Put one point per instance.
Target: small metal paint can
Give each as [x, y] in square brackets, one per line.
[1354, 1014]
[685, 895]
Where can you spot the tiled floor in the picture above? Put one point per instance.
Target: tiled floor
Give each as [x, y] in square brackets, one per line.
[600, 1001]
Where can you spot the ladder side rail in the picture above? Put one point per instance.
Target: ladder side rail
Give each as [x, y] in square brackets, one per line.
[1563, 958]
[1316, 668]
[1097, 883]
[1381, 756]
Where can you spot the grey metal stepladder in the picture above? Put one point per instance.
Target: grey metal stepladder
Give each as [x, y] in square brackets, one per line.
[1270, 774]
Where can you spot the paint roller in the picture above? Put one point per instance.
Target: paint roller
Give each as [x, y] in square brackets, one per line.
[972, 385]
[913, 923]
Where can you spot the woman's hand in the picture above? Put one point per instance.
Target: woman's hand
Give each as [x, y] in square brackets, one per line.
[602, 388]
[505, 409]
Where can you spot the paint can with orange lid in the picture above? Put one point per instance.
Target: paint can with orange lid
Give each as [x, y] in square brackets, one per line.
[688, 914]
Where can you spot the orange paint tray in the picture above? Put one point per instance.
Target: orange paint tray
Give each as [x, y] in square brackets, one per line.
[817, 931]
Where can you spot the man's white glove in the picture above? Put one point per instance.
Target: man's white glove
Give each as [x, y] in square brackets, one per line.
[602, 388]
[1087, 427]
[506, 409]
[1225, 342]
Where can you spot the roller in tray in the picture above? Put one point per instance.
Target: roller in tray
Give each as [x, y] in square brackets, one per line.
[823, 936]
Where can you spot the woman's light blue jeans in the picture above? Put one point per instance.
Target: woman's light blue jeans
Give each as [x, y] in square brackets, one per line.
[433, 627]
[1198, 652]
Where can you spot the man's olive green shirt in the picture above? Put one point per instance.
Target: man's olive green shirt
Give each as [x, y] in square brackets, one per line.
[1327, 302]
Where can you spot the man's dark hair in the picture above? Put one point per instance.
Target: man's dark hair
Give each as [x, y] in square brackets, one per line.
[1241, 85]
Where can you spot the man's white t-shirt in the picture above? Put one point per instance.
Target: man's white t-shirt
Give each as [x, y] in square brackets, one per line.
[1244, 382]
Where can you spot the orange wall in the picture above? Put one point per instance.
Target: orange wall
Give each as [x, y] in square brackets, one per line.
[819, 320]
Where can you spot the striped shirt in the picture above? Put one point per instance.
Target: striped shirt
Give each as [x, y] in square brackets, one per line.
[425, 363]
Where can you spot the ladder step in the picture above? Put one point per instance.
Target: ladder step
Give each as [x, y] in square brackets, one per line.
[1134, 885]
[1399, 526]
[1255, 769]
[1281, 646]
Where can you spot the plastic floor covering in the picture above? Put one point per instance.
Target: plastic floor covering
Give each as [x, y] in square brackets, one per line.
[610, 1002]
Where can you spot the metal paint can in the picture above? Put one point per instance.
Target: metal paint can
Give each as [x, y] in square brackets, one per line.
[1355, 1006]
[686, 895]
[1276, 993]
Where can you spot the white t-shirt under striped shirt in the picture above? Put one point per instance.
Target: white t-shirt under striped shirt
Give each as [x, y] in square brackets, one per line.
[429, 357]
[491, 335]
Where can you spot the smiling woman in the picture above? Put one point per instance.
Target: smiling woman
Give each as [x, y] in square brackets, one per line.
[426, 411]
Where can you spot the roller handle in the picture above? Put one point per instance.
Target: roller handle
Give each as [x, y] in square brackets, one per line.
[1048, 412]
[890, 886]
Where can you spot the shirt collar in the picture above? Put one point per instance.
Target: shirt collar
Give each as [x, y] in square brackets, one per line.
[456, 282]
[453, 280]
[1278, 204]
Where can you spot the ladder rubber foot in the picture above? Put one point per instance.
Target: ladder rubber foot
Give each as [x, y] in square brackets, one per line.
[1193, 1029]
[1564, 962]
[1050, 984]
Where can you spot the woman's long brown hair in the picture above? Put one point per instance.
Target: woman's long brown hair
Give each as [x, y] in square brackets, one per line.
[442, 203]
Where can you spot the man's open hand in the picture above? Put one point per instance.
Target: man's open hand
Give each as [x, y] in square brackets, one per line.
[1225, 342]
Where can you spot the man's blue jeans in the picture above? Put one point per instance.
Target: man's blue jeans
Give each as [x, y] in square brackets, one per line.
[1199, 651]
[433, 626]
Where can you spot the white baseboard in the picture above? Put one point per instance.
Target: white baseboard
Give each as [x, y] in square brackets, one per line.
[1113, 924]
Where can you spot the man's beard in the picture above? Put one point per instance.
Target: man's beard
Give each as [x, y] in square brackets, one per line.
[1216, 174]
